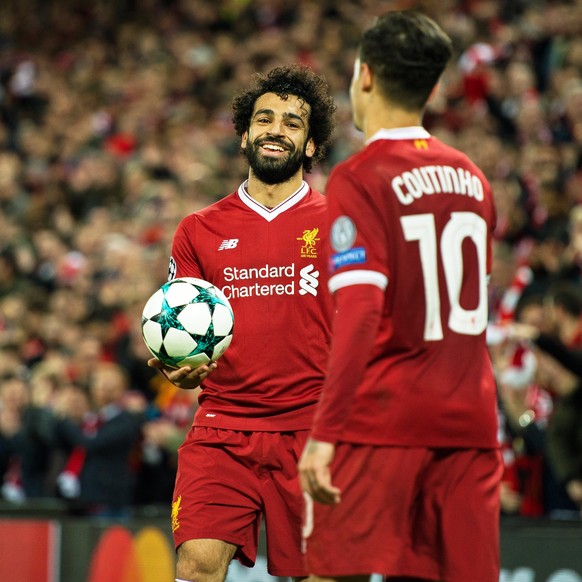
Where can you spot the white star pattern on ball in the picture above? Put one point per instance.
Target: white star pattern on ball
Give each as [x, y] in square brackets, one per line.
[187, 322]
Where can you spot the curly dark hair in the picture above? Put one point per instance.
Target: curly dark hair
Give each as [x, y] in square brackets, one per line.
[408, 52]
[302, 82]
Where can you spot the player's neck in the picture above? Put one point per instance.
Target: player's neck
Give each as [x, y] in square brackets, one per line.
[270, 195]
[389, 117]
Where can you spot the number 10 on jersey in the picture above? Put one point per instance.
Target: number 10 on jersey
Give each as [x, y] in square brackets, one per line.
[449, 251]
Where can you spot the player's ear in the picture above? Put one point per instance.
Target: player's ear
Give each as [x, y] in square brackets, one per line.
[434, 91]
[366, 77]
[244, 138]
[310, 148]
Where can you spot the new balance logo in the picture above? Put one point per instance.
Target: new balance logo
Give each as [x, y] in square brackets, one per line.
[229, 243]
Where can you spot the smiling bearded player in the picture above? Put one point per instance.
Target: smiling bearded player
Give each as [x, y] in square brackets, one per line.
[263, 245]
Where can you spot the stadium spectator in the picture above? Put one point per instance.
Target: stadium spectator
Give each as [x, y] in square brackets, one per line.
[563, 303]
[559, 371]
[530, 485]
[98, 474]
[14, 397]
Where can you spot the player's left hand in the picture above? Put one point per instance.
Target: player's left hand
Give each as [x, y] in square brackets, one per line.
[185, 377]
[314, 472]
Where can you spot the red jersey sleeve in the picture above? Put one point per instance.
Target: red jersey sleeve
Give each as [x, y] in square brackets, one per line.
[358, 280]
[355, 325]
[358, 233]
[184, 260]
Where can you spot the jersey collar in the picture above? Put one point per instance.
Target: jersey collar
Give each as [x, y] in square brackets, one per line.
[271, 213]
[414, 132]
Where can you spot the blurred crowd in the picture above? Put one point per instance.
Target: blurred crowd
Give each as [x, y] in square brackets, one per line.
[115, 122]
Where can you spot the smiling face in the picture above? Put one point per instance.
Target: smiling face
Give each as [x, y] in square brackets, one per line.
[277, 141]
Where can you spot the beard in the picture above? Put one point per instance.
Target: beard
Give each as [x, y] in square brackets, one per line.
[274, 170]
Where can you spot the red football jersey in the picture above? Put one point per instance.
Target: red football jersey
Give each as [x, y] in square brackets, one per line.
[414, 217]
[272, 266]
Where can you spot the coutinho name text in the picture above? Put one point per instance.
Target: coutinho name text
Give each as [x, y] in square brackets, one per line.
[426, 180]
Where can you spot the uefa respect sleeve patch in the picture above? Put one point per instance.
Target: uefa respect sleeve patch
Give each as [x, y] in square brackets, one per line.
[355, 256]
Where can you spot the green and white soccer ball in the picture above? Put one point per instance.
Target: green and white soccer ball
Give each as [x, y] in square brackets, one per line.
[187, 322]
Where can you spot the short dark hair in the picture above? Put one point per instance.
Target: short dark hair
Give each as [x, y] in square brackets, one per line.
[527, 300]
[566, 295]
[302, 82]
[407, 51]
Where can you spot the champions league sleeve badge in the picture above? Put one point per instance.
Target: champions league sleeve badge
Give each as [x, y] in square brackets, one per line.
[343, 236]
[172, 269]
[343, 233]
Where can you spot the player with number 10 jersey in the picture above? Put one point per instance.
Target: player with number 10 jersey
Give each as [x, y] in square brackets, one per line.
[419, 228]
[402, 462]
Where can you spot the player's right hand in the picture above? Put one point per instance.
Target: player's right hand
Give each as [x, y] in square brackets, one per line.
[185, 377]
[314, 472]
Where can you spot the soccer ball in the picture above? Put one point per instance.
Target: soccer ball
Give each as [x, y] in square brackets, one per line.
[187, 322]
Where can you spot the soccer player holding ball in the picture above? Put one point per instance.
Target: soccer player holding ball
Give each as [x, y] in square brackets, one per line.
[403, 462]
[264, 247]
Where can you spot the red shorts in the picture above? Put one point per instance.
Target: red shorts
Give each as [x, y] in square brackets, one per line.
[409, 512]
[227, 480]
